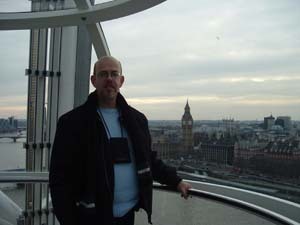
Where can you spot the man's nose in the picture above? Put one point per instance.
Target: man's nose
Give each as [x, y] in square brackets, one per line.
[109, 80]
[109, 77]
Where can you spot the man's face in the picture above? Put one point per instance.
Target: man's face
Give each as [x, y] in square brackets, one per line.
[107, 79]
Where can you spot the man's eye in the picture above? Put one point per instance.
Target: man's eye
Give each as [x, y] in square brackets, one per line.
[115, 74]
[103, 74]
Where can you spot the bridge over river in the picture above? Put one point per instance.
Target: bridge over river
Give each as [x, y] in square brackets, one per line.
[14, 137]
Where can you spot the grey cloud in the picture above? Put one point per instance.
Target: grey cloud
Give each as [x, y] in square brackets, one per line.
[271, 89]
[166, 48]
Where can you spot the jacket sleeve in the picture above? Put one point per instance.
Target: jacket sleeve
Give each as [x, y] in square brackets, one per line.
[61, 176]
[163, 173]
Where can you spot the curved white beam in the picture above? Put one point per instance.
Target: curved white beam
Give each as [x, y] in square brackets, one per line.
[95, 30]
[72, 17]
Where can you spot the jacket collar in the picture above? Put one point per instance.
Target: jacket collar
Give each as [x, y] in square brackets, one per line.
[92, 101]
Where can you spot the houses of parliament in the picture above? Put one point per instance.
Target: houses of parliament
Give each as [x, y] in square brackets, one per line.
[174, 142]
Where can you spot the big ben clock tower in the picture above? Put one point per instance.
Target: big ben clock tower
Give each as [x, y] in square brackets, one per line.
[187, 128]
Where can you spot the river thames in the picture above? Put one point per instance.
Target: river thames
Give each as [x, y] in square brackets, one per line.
[12, 154]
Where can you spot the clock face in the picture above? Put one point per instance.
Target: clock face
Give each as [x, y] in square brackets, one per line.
[189, 122]
[183, 123]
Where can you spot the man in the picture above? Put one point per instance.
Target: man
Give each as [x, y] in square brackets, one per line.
[102, 166]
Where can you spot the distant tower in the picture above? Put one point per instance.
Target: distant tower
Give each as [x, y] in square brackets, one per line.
[269, 122]
[187, 128]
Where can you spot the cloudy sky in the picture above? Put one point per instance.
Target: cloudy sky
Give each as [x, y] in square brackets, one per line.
[234, 58]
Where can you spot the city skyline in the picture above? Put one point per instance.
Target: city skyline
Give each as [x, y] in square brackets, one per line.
[230, 59]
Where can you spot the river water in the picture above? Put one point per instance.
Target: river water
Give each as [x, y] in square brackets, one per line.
[12, 154]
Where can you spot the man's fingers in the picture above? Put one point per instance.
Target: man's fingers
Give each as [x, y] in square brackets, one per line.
[184, 194]
[183, 187]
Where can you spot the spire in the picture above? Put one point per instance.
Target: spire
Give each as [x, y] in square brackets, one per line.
[187, 107]
[187, 113]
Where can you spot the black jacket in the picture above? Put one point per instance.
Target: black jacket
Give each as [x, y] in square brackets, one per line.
[81, 166]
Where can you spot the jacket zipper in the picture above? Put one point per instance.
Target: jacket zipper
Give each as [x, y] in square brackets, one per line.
[105, 170]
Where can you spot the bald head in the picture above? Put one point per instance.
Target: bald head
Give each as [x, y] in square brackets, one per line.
[107, 79]
[104, 59]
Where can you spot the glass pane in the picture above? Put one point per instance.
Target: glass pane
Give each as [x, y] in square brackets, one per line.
[13, 154]
[231, 60]
[236, 65]
[14, 48]
[219, 83]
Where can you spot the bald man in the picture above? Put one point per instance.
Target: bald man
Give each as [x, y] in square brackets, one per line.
[102, 166]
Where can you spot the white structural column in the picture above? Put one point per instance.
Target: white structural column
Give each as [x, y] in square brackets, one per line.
[52, 100]
[67, 69]
[53, 85]
[36, 115]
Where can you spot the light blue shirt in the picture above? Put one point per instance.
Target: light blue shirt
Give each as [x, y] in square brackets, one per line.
[126, 184]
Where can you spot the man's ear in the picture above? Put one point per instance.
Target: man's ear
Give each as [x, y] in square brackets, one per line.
[93, 80]
[122, 80]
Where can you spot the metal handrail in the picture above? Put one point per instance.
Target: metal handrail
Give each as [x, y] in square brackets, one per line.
[24, 177]
[42, 177]
[260, 211]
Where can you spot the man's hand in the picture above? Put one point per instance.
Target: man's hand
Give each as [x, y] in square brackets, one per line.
[183, 188]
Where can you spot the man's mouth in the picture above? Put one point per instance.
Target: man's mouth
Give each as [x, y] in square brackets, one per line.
[109, 87]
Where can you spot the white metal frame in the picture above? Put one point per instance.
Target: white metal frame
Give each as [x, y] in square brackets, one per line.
[84, 14]
[70, 84]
